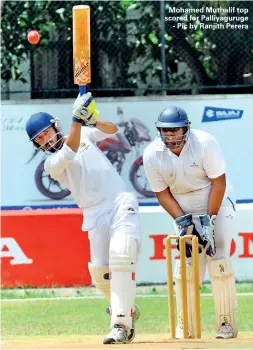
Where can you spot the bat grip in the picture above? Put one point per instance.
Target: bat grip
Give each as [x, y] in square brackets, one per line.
[82, 89]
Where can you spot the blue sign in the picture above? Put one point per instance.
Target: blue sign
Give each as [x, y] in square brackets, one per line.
[214, 114]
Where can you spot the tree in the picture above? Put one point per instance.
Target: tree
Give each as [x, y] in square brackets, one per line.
[126, 44]
[215, 57]
[53, 19]
[17, 20]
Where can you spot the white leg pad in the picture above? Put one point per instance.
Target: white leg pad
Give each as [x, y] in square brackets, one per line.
[97, 274]
[190, 296]
[224, 293]
[122, 266]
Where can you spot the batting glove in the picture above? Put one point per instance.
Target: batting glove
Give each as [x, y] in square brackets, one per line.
[185, 226]
[85, 110]
[208, 233]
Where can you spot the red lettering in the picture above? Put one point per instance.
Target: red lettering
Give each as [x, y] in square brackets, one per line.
[247, 242]
[159, 247]
[232, 247]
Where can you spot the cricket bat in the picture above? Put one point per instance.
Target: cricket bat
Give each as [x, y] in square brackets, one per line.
[81, 46]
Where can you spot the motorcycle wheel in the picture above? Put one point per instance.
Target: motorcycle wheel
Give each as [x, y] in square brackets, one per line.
[137, 165]
[40, 173]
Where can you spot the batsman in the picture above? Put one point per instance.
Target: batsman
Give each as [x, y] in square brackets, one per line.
[110, 212]
[186, 170]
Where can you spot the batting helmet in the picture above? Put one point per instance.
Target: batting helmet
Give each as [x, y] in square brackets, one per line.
[39, 122]
[173, 117]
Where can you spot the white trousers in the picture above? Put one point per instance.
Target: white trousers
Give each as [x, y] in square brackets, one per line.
[223, 234]
[220, 270]
[121, 217]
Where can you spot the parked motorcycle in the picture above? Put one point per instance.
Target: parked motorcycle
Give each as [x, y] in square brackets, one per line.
[47, 185]
[115, 148]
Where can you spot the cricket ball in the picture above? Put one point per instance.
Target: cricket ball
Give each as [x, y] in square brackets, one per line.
[33, 37]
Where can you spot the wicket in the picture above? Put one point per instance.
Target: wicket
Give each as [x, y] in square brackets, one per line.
[195, 277]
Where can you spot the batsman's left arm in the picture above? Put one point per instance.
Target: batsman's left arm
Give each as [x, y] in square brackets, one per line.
[106, 127]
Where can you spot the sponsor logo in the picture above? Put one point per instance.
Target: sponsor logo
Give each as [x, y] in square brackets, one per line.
[9, 248]
[84, 111]
[81, 75]
[214, 114]
[83, 146]
[221, 268]
[194, 165]
[242, 249]
[230, 217]
[226, 319]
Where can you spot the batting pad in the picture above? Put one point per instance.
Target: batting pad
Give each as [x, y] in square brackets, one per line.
[122, 266]
[190, 297]
[224, 293]
[97, 274]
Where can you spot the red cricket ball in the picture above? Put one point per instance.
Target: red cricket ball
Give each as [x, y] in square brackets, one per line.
[33, 37]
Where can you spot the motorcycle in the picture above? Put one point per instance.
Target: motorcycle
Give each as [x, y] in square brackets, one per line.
[115, 148]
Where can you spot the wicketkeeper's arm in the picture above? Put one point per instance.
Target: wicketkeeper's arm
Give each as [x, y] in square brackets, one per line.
[216, 194]
[169, 203]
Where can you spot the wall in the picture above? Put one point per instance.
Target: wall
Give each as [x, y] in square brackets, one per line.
[156, 225]
[231, 123]
[47, 247]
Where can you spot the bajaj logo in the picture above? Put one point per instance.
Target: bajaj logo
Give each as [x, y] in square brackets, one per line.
[213, 114]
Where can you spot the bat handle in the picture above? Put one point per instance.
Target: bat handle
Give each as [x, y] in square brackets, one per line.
[82, 89]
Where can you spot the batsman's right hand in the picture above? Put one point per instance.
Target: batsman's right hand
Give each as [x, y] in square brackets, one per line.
[85, 109]
[185, 226]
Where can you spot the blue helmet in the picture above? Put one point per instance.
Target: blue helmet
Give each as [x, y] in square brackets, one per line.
[37, 123]
[173, 117]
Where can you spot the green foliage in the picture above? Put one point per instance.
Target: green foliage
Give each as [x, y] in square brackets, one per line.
[17, 20]
[128, 34]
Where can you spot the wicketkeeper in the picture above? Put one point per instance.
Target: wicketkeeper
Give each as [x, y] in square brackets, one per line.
[186, 170]
[110, 212]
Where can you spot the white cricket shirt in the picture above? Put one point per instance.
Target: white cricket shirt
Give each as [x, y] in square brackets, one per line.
[88, 174]
[187, 175]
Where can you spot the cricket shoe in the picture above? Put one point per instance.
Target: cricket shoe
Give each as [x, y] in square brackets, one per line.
[118, 335]
[136, 316]
[226, 332]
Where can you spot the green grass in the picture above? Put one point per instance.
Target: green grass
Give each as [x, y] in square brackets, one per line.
[87, 316]
[28, 293]
[205, 289]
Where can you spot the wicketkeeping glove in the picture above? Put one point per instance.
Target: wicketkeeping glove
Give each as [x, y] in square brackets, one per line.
[208, 233]
[85, 110]
[185, 226]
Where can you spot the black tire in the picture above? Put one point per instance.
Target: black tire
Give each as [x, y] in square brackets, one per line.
[134, 180]
[39, 175]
